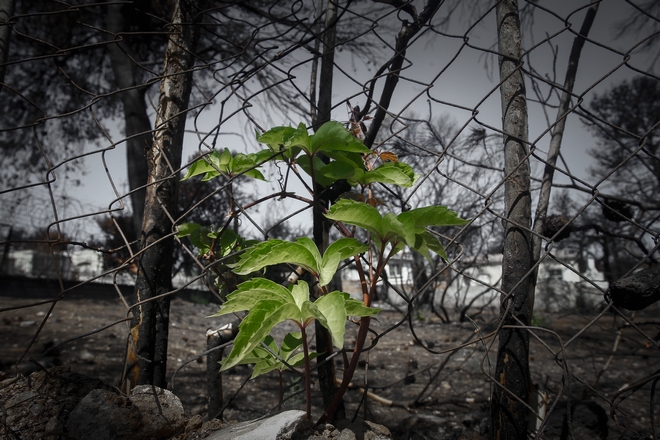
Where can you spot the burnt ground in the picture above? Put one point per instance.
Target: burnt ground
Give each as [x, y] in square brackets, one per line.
[454, 386]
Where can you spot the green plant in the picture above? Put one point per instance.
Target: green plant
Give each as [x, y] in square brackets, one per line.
[268, 303]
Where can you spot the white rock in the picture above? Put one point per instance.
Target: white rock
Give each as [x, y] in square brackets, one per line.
[267, 428]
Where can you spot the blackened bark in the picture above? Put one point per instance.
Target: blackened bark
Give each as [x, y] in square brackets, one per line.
[403, 39]
[137, 124]
[555, 142]
[321, 225]
[6, 12]
[509, 410]
[147, 351]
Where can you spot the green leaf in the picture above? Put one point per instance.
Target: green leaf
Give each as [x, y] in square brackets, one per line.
[300, 138]
[409, 227]
[327, 174]
[276, 136]
[300, 293]
[357, 308]
[244, 164]
[393, 227]
[331, 306]
[186, 229]
[290, 343]
[303, 162]
[420, 219]
[249, 293]
[394, 173]
[333, 136]
[266, 362]
[199, 236]
[228, 241]
[335, 253]
[358, 214]
[215, 163]
[427, 241]
[199, 167]
[263, 316]
[432, 216]
[299, 359]
[292, 139]
[302, 252]
[263, 365]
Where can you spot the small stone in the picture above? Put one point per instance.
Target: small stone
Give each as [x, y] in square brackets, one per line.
[53, 426]
[37, 409]
[194, 423]
[27, 323]
[86, 356]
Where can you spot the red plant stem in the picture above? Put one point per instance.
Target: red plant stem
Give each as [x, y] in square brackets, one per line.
[308, 385]
[359, 345]
[348, 374]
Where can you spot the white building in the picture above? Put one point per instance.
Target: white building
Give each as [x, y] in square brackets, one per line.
[560, 285]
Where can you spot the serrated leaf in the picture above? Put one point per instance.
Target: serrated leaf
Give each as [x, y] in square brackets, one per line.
[357, 308]
[265, 365]
[276, 136]
[432, 216]
[421, 218]
[292, 139]
[331, 306]
[427, 241]
[266, 362]
[393, 228]
[275, 251]
[300, 293]
[245, 164]
[227, 243]
[303, 162]
[290, 343]
[249, 293]
[327, 174]
[215, 163]
[394, 173]
[198, 235]
[309, 312]
[185, 229]
[358, 214]
[335, 253]
[299, 359]
[354, 159]
[198, 167]
[311, 248]
[333, 136]
[300, 138]
[263, 316]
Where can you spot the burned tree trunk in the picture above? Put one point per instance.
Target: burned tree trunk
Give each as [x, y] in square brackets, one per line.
[147, 348]
[6, 12]
[321, 225]
[137, 126]
[508, 407]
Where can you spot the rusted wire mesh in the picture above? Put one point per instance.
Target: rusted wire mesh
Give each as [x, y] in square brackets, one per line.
[80, 91]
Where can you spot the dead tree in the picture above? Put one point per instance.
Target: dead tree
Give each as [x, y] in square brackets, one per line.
[509, 403]
[147, 349]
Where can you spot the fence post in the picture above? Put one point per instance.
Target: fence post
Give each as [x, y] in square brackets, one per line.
[147, 349]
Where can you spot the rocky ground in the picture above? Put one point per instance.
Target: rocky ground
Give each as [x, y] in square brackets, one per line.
[417, 393]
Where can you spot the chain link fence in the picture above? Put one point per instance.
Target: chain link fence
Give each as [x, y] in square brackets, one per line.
[92, 198]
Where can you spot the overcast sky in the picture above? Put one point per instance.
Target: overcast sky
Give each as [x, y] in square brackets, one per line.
[465, 82]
